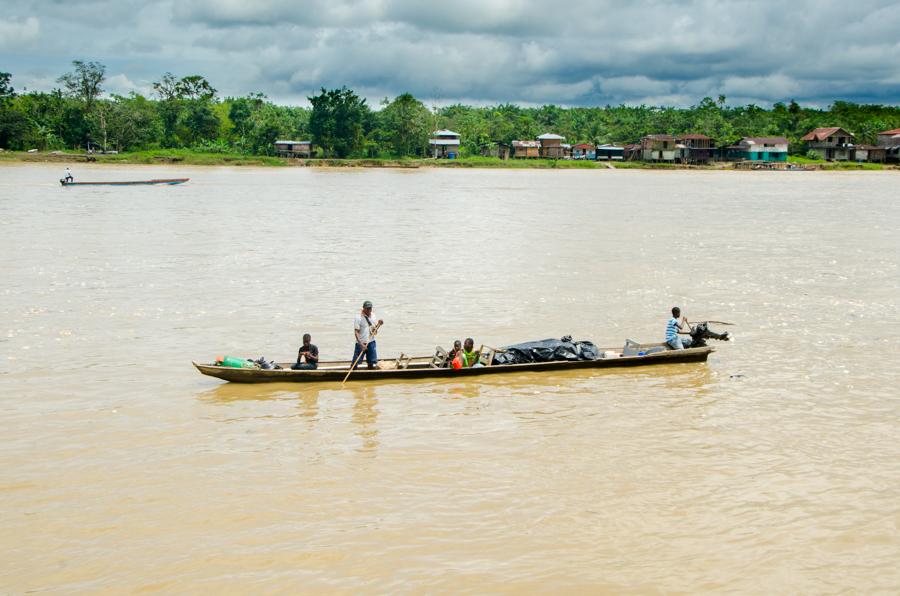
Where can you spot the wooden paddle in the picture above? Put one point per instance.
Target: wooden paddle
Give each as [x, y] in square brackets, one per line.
[363, 351]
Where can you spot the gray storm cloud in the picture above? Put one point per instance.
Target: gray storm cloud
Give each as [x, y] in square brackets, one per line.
[473, 51]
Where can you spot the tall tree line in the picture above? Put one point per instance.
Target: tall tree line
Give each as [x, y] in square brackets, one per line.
[187, 112]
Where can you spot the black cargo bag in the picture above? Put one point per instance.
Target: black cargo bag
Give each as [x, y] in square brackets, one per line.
[547, 350]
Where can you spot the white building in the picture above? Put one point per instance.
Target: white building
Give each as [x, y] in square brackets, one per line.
[445, 143]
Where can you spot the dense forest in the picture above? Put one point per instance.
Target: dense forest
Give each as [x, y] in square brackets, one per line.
[188, 113]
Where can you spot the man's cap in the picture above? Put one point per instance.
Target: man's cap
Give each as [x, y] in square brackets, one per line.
[367, 304]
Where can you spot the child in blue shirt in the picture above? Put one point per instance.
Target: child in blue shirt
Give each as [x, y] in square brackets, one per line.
[674, 328]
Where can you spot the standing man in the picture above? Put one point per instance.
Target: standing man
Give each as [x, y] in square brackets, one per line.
[309, 351]
[674, 328]
[68, 176]
[364, 328]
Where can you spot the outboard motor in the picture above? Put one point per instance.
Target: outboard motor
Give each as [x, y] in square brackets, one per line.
[701, 332]
[266, 364]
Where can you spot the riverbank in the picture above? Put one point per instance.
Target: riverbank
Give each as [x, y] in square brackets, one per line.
[186, 157]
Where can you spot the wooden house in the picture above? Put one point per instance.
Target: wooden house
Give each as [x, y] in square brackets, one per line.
[658, 148]
[832, 144]
[293, 148]
[890, 140]
[870, 153]
[631, 152]
[584, 151]
[444, 144]
[758, 149]
[526, 149]
[610, 152]
[695, 148]
[552, 146]
[496, 149]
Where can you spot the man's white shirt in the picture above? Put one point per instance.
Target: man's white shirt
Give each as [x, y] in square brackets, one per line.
[365, 331]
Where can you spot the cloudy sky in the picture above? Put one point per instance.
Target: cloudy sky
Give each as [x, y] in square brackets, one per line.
[590, 52]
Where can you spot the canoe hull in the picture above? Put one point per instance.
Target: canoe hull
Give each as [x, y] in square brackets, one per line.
[168, 181]
[327, 373]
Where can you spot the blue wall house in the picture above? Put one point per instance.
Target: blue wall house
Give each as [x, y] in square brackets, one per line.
[584, 151]
[758, 149]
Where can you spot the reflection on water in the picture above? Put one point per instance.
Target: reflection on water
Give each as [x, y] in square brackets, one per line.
[365, 416]
[123, 470]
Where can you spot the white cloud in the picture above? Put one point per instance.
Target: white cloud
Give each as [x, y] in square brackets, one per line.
[120, 84]
[18, 34]
[773, 86]
[478, 51]
[631, 86]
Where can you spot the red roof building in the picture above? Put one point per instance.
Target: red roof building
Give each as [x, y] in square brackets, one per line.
[584, 151]
[833, 143]
[821, 134]
[890, 140]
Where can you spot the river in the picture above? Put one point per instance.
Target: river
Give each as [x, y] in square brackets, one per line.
[774, 467]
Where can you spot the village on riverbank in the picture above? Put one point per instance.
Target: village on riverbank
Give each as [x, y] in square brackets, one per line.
[184, 121]
[831, 145]
[822, 148]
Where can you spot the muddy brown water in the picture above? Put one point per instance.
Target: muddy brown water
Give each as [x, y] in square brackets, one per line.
[775, 467]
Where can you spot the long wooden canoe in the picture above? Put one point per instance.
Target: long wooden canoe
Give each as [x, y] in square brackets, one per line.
[420, 368]
[128, 182]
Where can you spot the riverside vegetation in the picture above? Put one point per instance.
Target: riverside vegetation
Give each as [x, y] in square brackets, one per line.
[186, 121]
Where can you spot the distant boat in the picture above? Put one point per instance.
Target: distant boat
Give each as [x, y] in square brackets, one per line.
[127, 182]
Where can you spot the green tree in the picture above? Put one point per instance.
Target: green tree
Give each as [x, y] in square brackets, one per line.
[195, 87]
[407, 123]
[336, 121]
[133, 122]
[83, 86]
[166, 87]
[85, 82]
[240, 112]
[13, 124]
[6, 89]
[197, 123]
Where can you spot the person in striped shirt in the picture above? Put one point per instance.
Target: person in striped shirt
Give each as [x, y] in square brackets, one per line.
[674, 329]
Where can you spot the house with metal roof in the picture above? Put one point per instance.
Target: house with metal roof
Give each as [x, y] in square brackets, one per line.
[758, 149]
[832, 143]
[526, 149]
[658, 148]
[694, 148]
[610, 152]
[552, 146]
[870, 153]
[445, 144]
[890, 140]
[293, 148]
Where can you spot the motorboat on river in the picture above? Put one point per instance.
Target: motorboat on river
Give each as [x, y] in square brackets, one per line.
[168, 181]
[426, 367]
